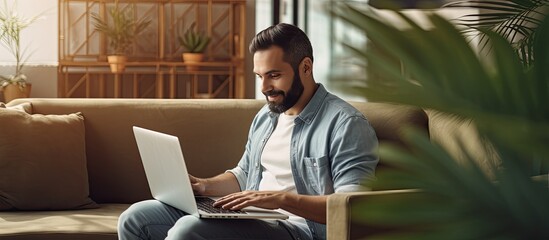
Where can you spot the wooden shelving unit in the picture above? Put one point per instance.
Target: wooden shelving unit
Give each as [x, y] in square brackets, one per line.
[155, 68]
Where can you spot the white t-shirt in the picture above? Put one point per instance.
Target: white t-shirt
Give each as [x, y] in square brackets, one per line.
[275, 161]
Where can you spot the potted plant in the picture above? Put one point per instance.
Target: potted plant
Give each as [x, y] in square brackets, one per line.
[11, 25]
[121, 31]
[194, 43]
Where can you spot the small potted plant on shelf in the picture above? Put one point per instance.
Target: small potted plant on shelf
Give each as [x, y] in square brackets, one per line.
[11, 24]
[194, 43]
[121, 31]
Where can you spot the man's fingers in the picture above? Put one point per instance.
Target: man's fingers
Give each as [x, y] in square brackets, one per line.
[231, 199]
[193, 178]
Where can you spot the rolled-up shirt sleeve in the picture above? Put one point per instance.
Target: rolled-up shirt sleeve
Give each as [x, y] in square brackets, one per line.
[240, 175]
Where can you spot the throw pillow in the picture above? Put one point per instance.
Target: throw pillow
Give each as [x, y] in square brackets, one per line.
[43, 162]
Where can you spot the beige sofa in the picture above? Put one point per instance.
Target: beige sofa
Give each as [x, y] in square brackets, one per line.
[212, 134]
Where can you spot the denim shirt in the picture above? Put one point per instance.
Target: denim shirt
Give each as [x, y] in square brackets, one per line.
[332, 149]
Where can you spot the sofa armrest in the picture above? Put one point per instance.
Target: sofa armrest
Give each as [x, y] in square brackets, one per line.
[339, 222]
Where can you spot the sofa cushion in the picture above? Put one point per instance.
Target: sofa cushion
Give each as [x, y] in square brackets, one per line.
[43, 162]
[93, 224]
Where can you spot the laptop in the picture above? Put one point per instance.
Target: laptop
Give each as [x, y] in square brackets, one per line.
[169, 182]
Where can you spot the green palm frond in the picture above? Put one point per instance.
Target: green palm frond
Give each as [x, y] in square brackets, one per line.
[438, 69]
[443, 72]
[516, 20]
[457, 201]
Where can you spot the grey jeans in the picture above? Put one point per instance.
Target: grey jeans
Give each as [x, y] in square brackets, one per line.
[154, 220]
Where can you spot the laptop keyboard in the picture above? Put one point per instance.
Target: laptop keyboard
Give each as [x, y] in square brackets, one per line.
[206, 204]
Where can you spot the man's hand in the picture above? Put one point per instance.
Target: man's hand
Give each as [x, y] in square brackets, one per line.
[198, 185]
[262, 199]
[309, 207]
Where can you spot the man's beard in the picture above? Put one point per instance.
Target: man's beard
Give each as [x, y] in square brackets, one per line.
[289, 99]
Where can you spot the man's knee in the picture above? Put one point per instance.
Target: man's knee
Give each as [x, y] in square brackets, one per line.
[139, 210]
[188, 227]
[134, 222]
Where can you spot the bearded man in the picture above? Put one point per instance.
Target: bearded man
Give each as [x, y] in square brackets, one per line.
[304, 145]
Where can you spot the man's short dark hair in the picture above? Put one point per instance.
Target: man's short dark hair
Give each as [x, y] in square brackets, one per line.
[293, 41]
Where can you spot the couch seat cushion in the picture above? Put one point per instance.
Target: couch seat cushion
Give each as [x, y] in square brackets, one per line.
[97, 224]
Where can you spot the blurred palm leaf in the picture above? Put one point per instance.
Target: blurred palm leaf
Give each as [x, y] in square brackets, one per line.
[438, 69]
[457, 201]
[515, 20]
[442, 72]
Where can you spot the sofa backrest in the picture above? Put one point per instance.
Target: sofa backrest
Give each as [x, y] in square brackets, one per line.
[389, 120]
[212, 132]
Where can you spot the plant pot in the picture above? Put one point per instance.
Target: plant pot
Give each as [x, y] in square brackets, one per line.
[13, 91]
[117, 63]
[192, 58]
